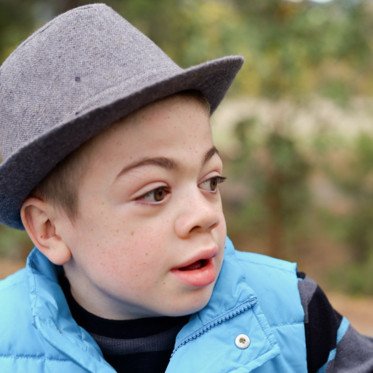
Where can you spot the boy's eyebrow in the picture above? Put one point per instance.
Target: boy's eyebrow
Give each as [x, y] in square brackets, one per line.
[210, 153]
[164, 162]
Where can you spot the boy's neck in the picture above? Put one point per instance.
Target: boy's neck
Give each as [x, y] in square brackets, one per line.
[129, 345]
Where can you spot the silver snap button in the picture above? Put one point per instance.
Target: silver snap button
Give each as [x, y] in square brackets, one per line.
[242, 341]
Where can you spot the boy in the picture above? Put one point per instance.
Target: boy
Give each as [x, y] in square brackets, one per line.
[109, 165]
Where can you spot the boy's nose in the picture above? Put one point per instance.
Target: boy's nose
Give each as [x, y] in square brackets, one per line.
[198, 215]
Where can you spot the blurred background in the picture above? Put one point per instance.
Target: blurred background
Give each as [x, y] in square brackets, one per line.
[295, 132]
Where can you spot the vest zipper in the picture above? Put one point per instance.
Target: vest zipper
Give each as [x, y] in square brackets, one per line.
[229, 315]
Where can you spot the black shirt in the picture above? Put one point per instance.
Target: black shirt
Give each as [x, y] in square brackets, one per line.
[141, 345]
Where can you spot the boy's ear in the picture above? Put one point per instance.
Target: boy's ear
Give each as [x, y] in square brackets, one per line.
[38, 219]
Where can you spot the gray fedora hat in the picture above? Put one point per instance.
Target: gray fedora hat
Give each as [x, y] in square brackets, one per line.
[72, 78]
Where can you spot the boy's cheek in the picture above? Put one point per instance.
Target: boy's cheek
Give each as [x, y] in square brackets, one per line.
[223, 227]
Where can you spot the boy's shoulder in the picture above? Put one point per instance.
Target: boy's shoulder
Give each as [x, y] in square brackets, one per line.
[36, 328]
[264, 274]
[261, 260]
[18, 337]
[14, 295]
[269, 280]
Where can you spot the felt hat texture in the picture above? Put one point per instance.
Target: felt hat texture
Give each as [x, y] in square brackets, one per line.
[81, 72]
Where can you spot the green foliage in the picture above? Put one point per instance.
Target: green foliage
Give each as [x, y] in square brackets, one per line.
[355, 181]
[298, 48]
[278, 212]
[292, 49]
[14, 25]
[14, 244]
[354, 278]
[276, 172]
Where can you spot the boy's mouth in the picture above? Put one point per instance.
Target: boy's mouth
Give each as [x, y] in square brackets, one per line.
[200, 272]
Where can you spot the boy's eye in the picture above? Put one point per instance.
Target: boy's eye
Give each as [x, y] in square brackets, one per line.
[212, 183]
[155, 195]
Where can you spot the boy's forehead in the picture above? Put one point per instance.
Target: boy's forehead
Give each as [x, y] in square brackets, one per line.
[164, 106]
[149, 114]
[143, 116]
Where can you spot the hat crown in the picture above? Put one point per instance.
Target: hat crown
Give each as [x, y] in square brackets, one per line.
[62, 68]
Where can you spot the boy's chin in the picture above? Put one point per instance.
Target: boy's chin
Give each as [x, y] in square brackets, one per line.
[189, 308]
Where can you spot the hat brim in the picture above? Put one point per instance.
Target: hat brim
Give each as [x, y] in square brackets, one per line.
[26, 168]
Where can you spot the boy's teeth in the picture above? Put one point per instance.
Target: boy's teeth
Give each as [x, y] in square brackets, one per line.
[196, 265]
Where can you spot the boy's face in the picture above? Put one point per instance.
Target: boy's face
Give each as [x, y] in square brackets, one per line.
[150, 232]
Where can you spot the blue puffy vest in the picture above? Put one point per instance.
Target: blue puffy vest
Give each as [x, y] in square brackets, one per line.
[254, 322]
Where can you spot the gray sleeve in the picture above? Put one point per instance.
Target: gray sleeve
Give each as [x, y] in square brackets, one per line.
[354, 353]
[333, 345]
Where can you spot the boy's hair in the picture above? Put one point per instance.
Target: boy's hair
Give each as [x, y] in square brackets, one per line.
[60, 186]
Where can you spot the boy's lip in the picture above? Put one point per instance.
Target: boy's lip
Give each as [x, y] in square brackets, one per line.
[200, 270]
